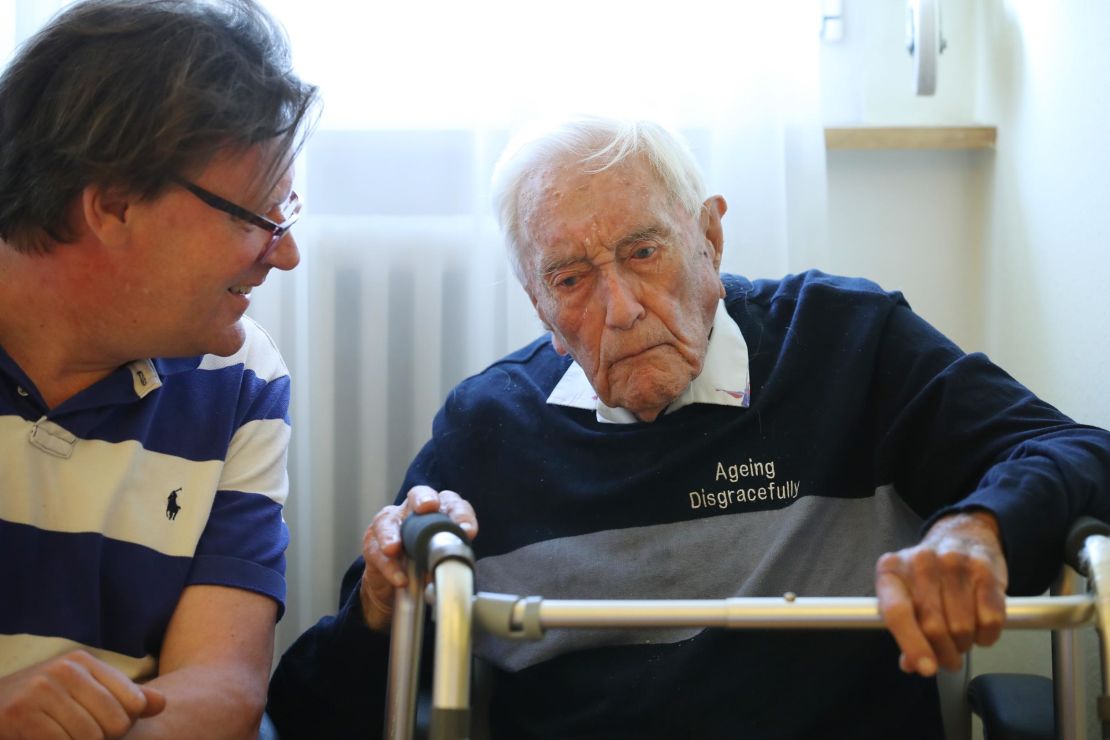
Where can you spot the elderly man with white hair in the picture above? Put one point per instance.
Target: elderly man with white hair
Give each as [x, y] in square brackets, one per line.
[681, 433]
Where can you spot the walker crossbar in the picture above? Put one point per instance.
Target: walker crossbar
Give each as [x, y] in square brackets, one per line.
[458, 610]
[509, 616]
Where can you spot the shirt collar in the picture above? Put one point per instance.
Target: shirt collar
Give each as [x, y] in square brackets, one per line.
[132, 381]
[723, 381]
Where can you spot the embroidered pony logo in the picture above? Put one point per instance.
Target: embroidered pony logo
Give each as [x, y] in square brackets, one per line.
[171, 504]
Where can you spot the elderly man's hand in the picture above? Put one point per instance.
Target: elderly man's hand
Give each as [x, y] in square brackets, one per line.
[382, 549]
[73, 696]
[945, 594]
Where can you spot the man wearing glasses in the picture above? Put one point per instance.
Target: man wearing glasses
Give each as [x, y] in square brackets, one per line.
[145, 191]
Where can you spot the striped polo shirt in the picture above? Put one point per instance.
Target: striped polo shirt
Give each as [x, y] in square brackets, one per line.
[165, 474]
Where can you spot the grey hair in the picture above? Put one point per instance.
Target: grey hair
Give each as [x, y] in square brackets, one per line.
[129, 94]
[598, 144]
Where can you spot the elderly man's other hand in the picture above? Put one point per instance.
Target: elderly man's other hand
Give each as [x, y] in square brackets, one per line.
[382, 549]
[73, 696]
[945, 594]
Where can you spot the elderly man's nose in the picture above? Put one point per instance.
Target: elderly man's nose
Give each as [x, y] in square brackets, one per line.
[623, 307]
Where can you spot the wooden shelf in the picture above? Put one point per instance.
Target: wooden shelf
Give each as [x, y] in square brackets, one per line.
[910, 137]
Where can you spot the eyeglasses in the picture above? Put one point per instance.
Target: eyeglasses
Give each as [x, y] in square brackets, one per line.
[290, 211]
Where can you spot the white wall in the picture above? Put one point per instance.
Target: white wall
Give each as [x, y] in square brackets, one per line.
[912, 221]
[1046, 84]
[7, 35]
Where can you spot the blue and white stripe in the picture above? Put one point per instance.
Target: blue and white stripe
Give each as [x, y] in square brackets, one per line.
[88, 554]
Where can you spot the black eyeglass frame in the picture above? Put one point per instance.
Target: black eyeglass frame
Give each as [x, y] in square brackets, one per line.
[277, 230]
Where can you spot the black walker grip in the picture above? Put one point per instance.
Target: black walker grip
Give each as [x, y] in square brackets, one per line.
[1081, 529]
[417, 532]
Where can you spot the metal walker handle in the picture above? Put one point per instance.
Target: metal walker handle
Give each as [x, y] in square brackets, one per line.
[438, 546]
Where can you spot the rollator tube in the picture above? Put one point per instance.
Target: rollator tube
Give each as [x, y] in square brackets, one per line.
[1097, 560]
[406, 637]
[1067, 673]
[1087, 550]
[438, 546]
[454, 582]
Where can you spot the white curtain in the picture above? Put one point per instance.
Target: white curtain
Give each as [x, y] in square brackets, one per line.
[403, 289]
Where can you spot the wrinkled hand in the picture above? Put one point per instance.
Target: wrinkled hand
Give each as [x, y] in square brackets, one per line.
[382, 549]
[73, 696]
[945, 594]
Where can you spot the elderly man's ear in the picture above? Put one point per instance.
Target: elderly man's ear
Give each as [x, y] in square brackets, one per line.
[710, 225]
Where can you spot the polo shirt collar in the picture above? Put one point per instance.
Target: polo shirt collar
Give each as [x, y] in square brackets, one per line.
[724, 379]
[130, 382]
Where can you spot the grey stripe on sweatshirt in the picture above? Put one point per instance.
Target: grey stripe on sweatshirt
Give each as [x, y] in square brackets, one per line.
[817, 546]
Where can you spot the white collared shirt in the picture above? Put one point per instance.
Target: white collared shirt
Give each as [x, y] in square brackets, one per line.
[723, 381]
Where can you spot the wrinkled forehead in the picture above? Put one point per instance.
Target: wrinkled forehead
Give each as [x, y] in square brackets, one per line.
[564, 195]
